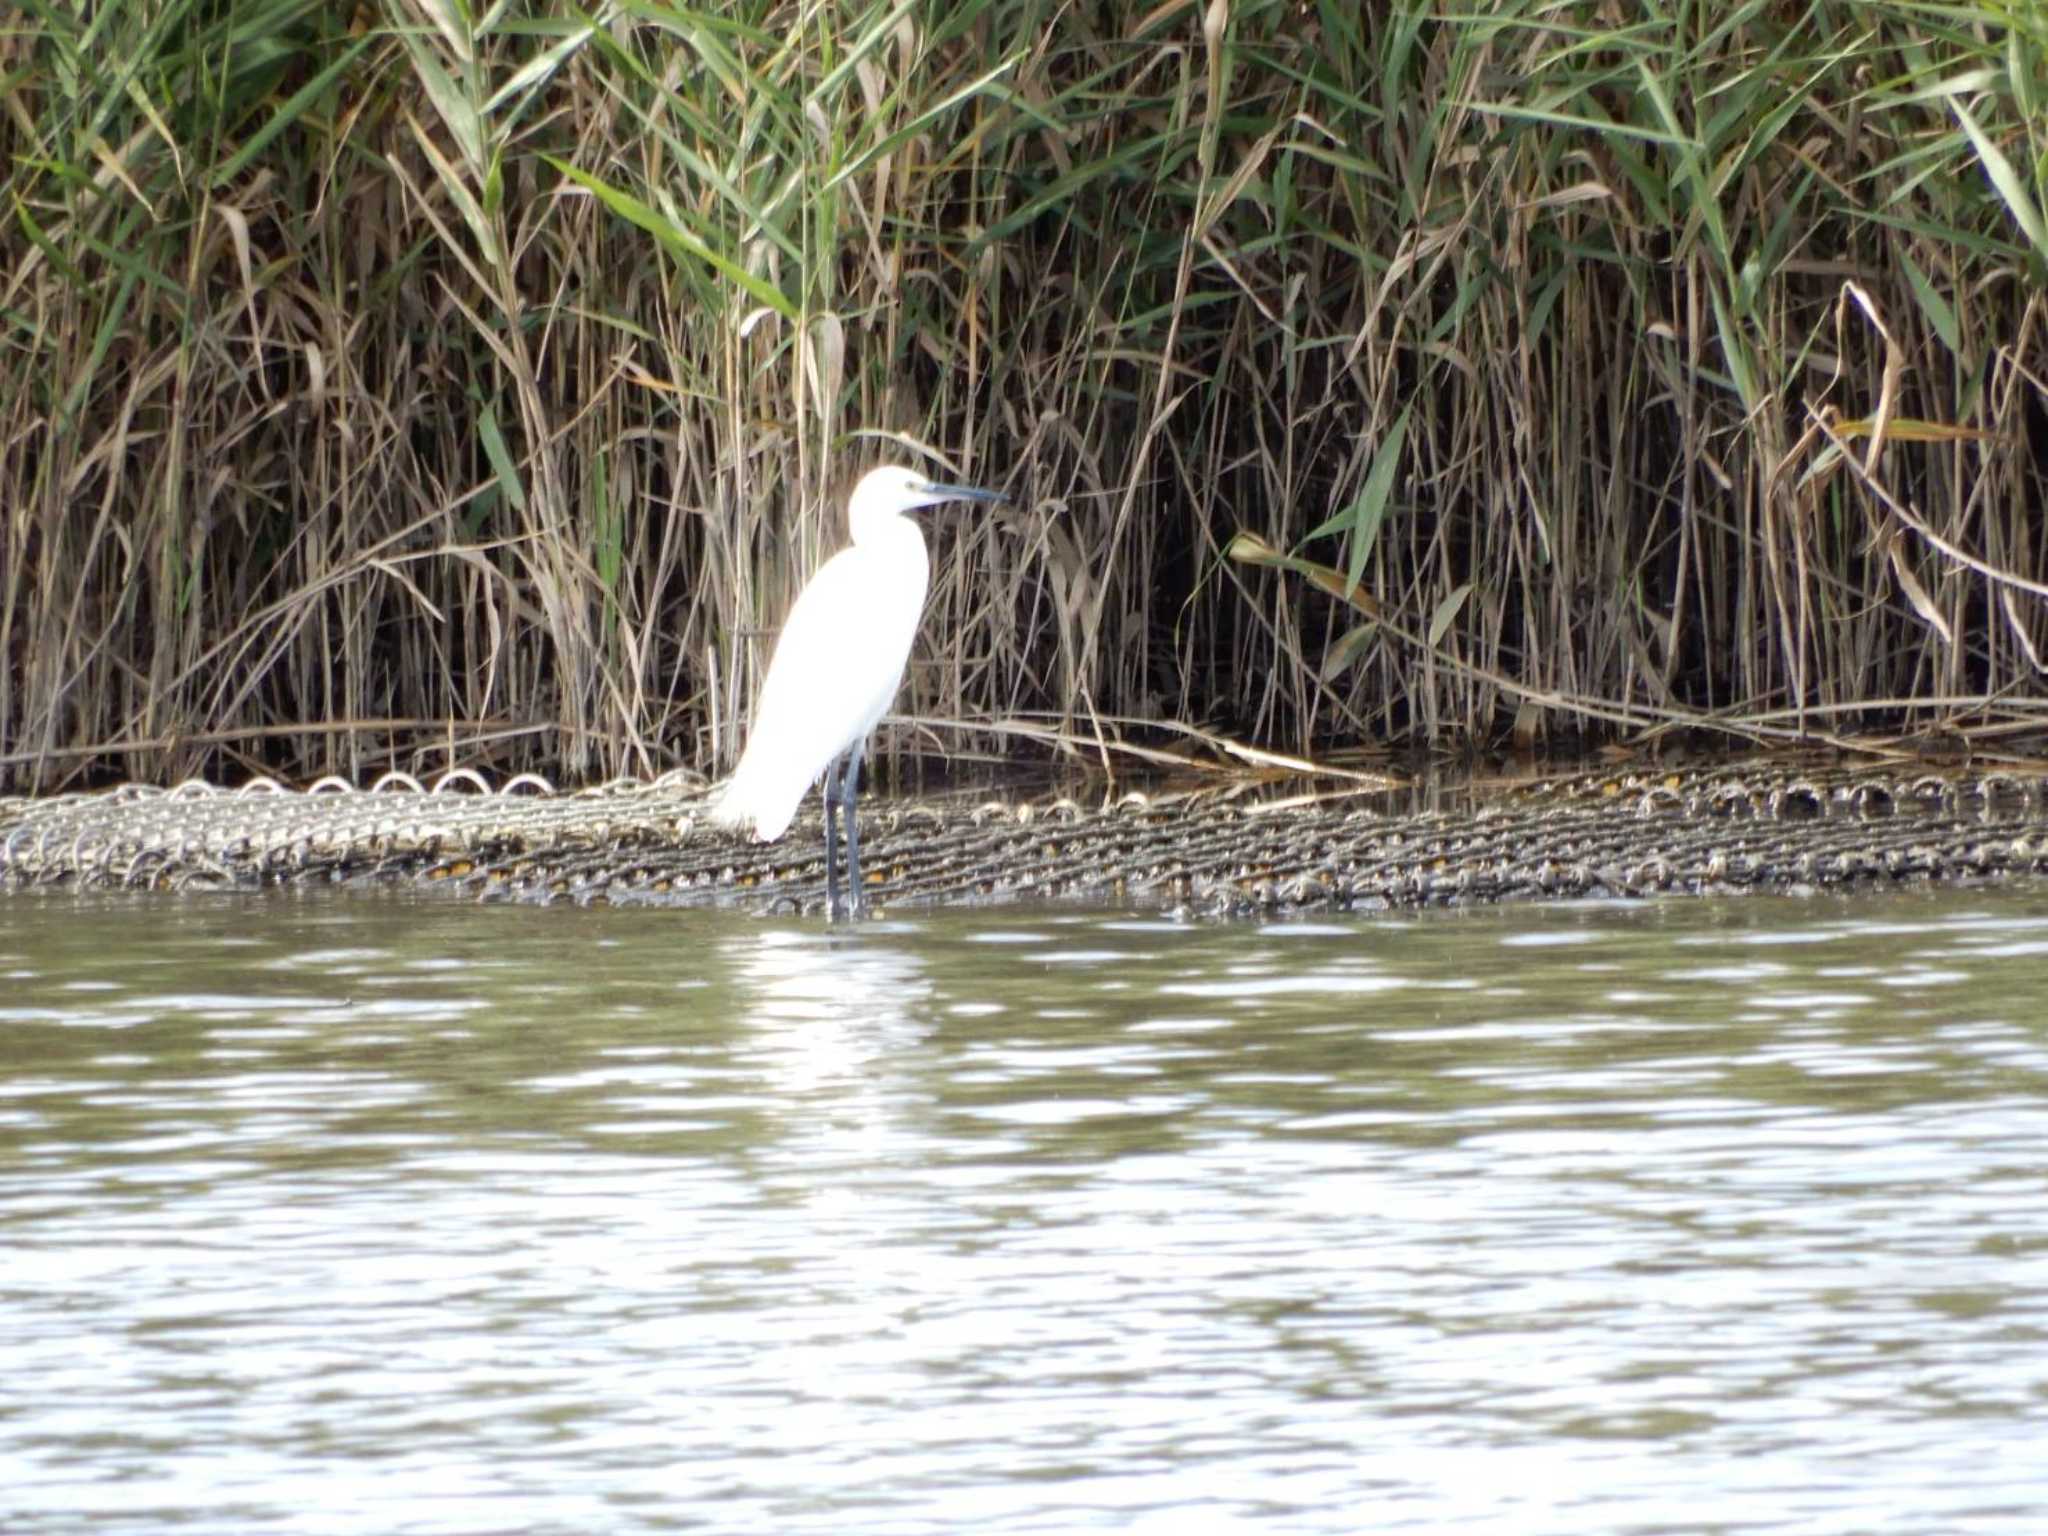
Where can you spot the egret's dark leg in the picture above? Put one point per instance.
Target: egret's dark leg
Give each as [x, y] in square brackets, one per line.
[850, 789]
[831, 841]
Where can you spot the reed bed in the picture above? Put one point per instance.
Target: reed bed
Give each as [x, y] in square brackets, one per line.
[419, 383]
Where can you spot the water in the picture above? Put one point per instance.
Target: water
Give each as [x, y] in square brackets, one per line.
[373, 1216]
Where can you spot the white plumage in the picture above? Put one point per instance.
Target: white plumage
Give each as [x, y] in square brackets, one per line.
[838, 664]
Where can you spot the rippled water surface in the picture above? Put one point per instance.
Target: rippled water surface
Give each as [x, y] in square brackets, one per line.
[360, 1215]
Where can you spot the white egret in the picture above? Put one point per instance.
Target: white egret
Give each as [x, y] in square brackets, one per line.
[836, 668]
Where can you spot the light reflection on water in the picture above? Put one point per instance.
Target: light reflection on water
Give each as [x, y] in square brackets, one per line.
[372, 1216]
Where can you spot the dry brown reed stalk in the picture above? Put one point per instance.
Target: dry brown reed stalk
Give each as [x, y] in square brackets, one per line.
[394, 382]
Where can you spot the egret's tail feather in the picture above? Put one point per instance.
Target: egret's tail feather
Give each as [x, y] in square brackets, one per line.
[750, 801]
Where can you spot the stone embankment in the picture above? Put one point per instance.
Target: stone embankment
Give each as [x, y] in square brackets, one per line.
[1762, 826]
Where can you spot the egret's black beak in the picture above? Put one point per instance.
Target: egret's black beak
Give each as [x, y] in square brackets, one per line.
[962, 492]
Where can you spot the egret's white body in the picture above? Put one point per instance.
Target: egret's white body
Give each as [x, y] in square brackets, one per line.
[837, 666]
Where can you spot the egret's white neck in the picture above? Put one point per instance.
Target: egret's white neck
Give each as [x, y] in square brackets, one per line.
[868, 516]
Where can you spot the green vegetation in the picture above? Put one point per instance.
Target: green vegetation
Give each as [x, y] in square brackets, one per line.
[424, 382]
